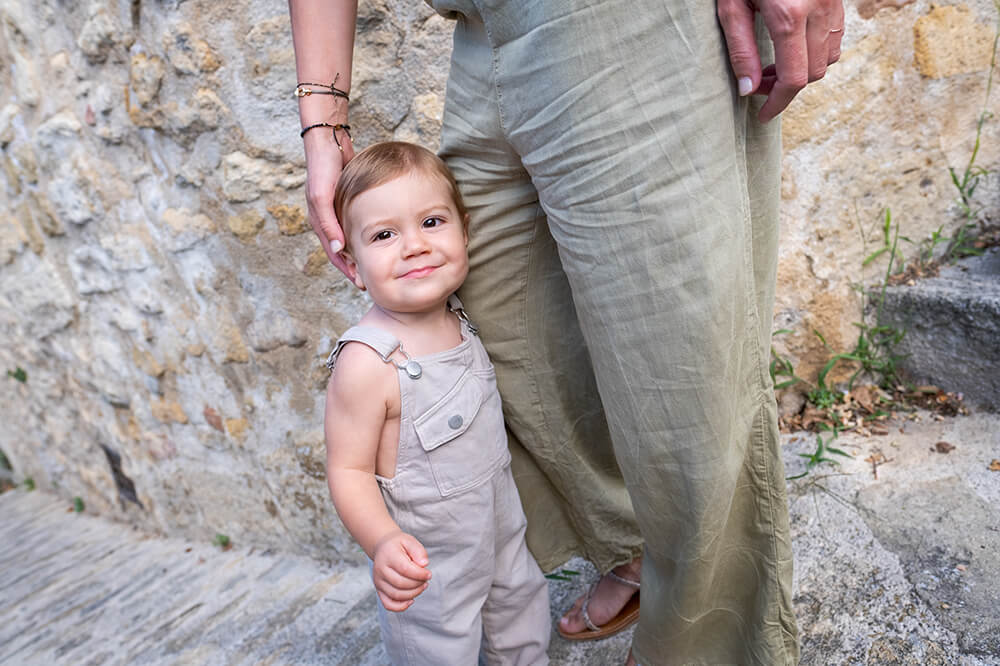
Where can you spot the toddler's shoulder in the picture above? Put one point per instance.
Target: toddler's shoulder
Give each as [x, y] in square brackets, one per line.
[360, 371]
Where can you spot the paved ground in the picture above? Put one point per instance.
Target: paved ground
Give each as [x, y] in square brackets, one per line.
[901, 569]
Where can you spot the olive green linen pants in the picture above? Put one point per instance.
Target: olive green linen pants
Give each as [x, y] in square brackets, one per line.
[623, 203]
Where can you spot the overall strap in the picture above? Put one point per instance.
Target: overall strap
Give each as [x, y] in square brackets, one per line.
[455, 306]
[382, 342]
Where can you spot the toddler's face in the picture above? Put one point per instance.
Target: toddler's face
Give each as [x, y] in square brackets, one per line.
[407, 243]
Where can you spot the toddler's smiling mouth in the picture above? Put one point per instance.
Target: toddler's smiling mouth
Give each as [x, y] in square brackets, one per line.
[419, 272]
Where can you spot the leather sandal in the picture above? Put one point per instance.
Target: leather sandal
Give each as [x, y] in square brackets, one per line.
[625, 618]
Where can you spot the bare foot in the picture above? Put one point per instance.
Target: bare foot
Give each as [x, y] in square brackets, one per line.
[608, 599]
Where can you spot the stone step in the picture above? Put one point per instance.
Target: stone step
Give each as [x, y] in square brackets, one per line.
[894, 564]
[82, 590]
[85, 591]
[952, 324]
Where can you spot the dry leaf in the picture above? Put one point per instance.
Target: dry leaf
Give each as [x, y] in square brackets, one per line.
[944, 447]
[813, 415]
[994, 465]
[865, 396]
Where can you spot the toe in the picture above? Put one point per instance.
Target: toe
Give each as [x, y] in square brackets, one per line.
[572, 622]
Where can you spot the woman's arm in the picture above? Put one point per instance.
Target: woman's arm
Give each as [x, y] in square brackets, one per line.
[323, 37]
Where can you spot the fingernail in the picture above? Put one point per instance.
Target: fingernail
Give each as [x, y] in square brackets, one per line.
[746, 86]
[337, 246]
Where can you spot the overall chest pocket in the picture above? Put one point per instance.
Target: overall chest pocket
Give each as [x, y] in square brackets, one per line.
[463, 435]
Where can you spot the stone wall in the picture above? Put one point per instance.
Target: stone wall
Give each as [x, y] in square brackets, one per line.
[879, 133]
[171, 308]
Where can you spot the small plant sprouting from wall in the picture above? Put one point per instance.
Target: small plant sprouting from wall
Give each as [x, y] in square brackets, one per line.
[969, 179]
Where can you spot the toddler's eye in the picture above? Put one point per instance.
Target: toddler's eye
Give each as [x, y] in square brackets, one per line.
[432, 222]
[382, 235]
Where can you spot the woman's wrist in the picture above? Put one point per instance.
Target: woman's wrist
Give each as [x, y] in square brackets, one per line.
[317, 110]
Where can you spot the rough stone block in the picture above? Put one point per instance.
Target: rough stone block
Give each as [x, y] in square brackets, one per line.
[317, 264]
[291, 219]
[188, 228]
[146, 75]
[91, 269]
[246, 225]
[11, 241]
[168, 411]
[7, 119]
[188, 53]
[952, 327]
[100, 35]
[245, 177]
[949, 41]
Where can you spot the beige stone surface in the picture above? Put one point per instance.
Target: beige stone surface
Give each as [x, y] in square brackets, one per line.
[246, 225]
[161, 286]
[168, 411]
[949, 41]
[291, 219]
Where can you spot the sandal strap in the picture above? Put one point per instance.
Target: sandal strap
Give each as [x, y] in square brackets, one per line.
[634, 584]
[583, 609]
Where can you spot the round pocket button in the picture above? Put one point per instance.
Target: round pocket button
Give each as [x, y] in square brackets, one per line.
[455, 422]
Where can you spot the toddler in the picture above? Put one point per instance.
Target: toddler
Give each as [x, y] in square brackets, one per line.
[417, 459]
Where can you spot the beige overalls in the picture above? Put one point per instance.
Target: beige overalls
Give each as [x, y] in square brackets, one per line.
[454, 492]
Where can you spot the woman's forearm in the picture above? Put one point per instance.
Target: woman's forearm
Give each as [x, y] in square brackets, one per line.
[323, 37]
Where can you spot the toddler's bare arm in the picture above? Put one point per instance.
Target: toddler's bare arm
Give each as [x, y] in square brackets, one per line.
[357, 401]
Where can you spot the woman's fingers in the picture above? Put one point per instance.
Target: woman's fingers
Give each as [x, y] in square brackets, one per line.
[786, 22]
[736, 18]
[818, 40]
[806, 35]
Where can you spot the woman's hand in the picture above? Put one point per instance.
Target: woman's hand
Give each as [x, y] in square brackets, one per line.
[399, 571]
[324, 163]
[806, 36]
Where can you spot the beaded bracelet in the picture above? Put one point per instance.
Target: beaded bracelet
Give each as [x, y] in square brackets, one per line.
[338, 126]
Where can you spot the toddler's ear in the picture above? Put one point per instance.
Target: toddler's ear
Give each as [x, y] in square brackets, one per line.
[465, 229]
[353, 274]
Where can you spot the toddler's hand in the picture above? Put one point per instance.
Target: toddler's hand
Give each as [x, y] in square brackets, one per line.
[400, 572]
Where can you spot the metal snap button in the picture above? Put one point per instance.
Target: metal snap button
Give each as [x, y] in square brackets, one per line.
[455, 422]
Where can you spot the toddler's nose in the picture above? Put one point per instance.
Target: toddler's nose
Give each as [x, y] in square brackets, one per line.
[414, 243]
